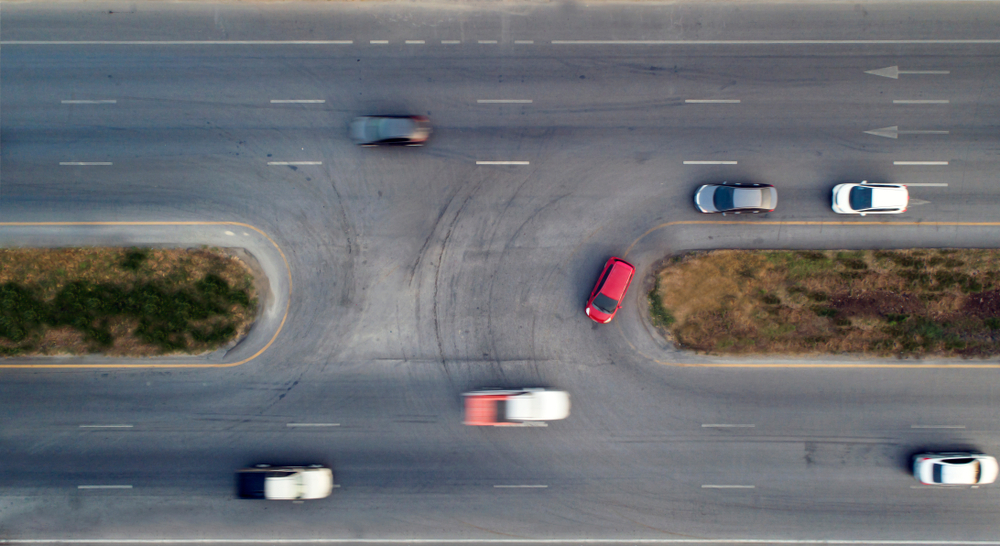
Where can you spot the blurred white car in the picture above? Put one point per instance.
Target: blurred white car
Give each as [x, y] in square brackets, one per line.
[955, 468]
[496, 407]
[865, 198]
[285, 482]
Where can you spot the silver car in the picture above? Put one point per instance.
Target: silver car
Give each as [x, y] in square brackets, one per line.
[736, 198]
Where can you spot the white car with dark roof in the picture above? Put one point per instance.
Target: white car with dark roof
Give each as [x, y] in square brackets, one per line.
[865, 198]
[955, 468]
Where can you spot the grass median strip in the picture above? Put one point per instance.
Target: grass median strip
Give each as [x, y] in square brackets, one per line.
[122, 301]
[908, 303]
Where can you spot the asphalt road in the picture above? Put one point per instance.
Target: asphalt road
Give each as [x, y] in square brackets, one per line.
[417, 274]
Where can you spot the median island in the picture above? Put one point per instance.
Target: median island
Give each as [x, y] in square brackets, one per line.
[125, 302]
[906, 303]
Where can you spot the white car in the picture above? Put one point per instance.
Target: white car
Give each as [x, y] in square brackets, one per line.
[496, 407]
[865, 198]
[955, 468]
[285, 482]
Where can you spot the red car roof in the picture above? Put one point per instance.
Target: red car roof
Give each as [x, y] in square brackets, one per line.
[482, 410]
[618, 280]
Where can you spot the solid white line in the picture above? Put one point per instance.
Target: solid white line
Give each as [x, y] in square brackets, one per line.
[313, 424]
[710, 162]
[294, 162]
[503, 162]
[109, 101]
[919, 162]
[705, 541]
[712, 101]
[934, 101]
[414, 41]
[727, 487]
[378, 41]
[524, 41]
[451, 41]
[85, 163]
[728, 426]
[104, 487]
[503, 101]
[930, 184]
[105, 426]
[520, 486]
[768, 42]
[180, 42]
[937, 426]
[297, 101]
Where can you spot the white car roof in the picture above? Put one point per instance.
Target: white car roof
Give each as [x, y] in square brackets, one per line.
[301, 483]
[888, 197]
[282, 488]
[538, 406]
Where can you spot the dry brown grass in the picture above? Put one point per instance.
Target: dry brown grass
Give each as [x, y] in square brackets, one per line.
[48, 271]
[914, 302]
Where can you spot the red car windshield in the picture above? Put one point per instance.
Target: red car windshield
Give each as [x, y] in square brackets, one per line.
[605, 304]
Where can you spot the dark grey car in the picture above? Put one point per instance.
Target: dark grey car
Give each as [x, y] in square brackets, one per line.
[390, 130]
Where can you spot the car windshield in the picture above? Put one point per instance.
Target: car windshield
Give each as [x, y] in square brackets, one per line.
[723, 198]
[861, 198]
[605, 304]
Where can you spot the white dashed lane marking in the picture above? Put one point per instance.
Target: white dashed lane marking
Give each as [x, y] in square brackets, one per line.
[712, 101]
[87, 163]
[503, 162]
[710, 162]
[297, 101]
[108, 101]
[294, 162]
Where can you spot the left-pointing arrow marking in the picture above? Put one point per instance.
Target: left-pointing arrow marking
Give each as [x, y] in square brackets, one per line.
[894, 72]
[894, 132]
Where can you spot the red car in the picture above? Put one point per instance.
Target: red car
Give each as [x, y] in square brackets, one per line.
[607, 296]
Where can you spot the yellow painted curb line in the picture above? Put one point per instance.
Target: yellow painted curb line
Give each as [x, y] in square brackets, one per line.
[806, 365]
[230, 365]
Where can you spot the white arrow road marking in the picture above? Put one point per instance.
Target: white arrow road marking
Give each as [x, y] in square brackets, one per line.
[894, 72]
[894, 132]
